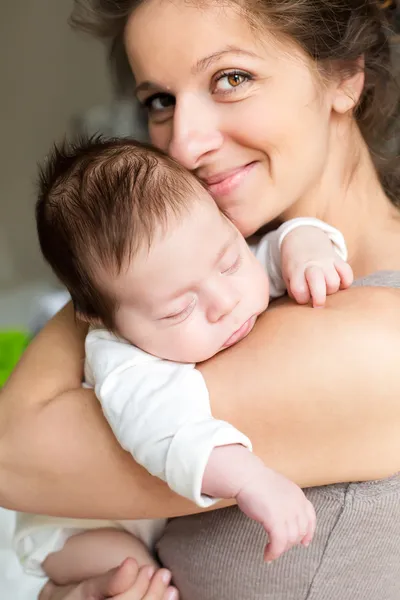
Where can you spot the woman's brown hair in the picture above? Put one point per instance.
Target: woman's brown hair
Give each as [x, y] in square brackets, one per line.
[334, 33]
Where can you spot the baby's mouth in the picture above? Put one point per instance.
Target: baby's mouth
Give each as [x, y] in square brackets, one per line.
[240, 333]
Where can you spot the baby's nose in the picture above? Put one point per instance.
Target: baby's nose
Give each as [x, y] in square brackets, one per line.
[221, 306]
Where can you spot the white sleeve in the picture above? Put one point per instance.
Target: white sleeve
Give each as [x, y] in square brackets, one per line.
[159, 411]
[268, 249]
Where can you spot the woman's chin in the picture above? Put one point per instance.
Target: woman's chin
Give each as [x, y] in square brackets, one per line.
[248, 227]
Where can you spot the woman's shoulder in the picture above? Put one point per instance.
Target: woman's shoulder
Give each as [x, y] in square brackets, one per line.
[359, 329]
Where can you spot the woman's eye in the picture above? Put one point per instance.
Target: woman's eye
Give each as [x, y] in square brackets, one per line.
[159, 102]
[234, 267]
[230, 81]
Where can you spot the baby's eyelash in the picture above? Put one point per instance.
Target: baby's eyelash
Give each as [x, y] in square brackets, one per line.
[234, 267]
[182, 314]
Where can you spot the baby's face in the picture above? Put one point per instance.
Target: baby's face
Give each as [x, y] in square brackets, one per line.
[198, 290]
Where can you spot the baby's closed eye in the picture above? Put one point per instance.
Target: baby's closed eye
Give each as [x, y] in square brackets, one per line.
[182, 314]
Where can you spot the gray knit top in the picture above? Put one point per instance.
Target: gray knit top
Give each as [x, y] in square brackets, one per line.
[355, 554]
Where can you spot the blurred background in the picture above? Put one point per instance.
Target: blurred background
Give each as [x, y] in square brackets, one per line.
[53, 81]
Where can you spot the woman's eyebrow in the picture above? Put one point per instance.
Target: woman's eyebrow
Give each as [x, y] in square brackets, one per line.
[200, 66]
[146, 86]
[207, 61]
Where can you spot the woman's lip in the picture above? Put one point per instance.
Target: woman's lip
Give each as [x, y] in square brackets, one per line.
[224, 183]
[240, 333]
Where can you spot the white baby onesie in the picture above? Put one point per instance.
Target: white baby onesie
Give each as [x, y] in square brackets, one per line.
[159, 411]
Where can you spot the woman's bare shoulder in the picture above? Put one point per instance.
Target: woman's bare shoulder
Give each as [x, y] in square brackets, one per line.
[356, 304]
[355, 336]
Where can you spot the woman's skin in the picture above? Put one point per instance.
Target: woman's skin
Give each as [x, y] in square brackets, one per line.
[316, 391]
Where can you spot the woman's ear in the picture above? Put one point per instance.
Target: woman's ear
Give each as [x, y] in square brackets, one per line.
[349, 89]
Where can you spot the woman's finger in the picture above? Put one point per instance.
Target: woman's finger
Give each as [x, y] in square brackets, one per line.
[111, 584]
[158, 586]
[171, 594]
[140, 588]
[54, 592]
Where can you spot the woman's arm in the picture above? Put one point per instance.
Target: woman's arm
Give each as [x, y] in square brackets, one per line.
[316, 390]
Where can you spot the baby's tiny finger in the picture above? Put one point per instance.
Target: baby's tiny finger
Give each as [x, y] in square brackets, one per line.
[303, 524]
[316, 282]
[294, 537]
[277, 543]
[345, 273]
[312, 521]
[332, 280]
[298, 288]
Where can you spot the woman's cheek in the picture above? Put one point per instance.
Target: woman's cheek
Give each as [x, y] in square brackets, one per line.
[160, 135]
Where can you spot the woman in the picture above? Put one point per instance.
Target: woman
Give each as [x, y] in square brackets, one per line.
[278, 106]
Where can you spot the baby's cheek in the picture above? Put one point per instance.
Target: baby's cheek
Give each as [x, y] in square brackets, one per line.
[193, 343]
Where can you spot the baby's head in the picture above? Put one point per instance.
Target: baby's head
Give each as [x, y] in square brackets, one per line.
[144, 250]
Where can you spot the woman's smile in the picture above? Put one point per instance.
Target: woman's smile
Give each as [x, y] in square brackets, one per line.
[224, 183]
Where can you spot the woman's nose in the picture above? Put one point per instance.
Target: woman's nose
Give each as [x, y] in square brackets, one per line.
[195, 131]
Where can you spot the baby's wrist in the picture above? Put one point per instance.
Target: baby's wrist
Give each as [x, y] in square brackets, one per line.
[228, 470]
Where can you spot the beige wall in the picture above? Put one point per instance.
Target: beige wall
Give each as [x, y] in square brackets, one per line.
[48, 74]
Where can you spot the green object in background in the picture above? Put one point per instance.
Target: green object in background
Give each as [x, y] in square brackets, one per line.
[12, 345]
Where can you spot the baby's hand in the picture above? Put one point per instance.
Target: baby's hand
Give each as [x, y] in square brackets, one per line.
[282, 509]
[311, 267]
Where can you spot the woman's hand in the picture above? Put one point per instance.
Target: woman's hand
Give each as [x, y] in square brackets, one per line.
[126, 582]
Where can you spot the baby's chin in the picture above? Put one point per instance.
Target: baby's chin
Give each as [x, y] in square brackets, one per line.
[194, 356]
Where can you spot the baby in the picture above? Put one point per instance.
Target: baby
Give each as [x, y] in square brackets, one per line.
[166, 281]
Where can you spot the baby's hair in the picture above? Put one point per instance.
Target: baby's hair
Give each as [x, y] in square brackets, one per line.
[100, 200]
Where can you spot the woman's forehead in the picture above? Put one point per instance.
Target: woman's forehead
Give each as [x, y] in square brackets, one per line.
[161, 32]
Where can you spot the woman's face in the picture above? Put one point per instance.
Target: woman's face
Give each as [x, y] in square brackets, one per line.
[241, 110]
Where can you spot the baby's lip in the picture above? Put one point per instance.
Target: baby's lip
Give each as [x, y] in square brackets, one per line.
[240, 333]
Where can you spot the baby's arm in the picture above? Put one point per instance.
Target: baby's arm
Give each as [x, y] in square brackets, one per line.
[263, 495]
[307, 258]
[159, 411]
